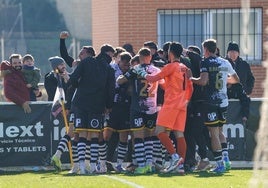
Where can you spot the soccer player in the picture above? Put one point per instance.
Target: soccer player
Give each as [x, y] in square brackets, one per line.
[119, 116]
[143, 110]
[93, 98]
[172, 116]
[216, 72]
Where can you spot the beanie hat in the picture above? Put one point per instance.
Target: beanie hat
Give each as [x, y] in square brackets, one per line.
[55, 61]
[233, 46]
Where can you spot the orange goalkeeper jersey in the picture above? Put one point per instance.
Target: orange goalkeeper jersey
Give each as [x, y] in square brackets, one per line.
[178, 88]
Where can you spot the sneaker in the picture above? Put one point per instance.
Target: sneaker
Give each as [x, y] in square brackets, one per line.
[218, 169]
[174, 162]
[149, 168]
[203, 165]
[83, 168]
[75, 169]
[131, 168]
[83, 171]
[119, 169]
[179, 169]
[94, 168]
[189, 168]
[55, 161]
[158, 167]
[101, 168]
[140, 170]
[227, 163]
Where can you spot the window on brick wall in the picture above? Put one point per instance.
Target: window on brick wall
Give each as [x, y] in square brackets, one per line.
[191, 27]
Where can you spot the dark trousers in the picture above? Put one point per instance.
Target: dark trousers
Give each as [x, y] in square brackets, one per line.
[194, 132]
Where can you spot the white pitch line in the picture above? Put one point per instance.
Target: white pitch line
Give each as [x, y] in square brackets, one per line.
[124, 181]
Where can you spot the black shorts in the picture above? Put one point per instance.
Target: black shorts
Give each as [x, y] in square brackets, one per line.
[215, 116]
[88, 121]
[139, 120]
[119, 118]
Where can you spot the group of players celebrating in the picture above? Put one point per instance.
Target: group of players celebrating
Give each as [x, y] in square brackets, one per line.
[117, 91]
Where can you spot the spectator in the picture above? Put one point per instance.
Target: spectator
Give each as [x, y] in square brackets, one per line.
[51, 82]
[236, 91]
[32, 76]
[15, 89]
[241, 67]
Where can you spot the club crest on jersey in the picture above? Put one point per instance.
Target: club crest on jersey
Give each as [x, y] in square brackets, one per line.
[94, 123]
[212, 116]
[150, 123]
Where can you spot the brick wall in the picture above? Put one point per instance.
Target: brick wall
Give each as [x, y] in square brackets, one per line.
[104, 23]
[259, 74]
[135, 21]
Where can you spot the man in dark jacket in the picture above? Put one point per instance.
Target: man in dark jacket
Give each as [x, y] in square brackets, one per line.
[241, 67]
[105, 57]
[196, 117]
[92, 99]
[235, 91]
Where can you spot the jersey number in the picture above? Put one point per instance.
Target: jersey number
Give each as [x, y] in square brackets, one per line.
[219, 81]
[143, 91]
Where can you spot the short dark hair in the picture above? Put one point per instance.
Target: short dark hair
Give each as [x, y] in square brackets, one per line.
[144, 52]
[218, 52]
[196, 49]
[125, 56]
[160, 51]
[166, 46]
[107, 48]
[118, 50]
[135, 58]
[176, 49]
[128, 47]
[90, 50]
[210, 45]
[150, 44]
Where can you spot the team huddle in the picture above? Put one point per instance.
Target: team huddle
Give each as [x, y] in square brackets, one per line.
[147, 98]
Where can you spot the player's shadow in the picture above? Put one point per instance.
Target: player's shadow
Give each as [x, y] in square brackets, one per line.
[207, 174]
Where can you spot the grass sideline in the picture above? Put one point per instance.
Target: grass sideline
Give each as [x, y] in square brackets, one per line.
[237, 178]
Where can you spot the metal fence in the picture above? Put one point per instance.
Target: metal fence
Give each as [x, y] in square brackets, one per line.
[191, 27]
